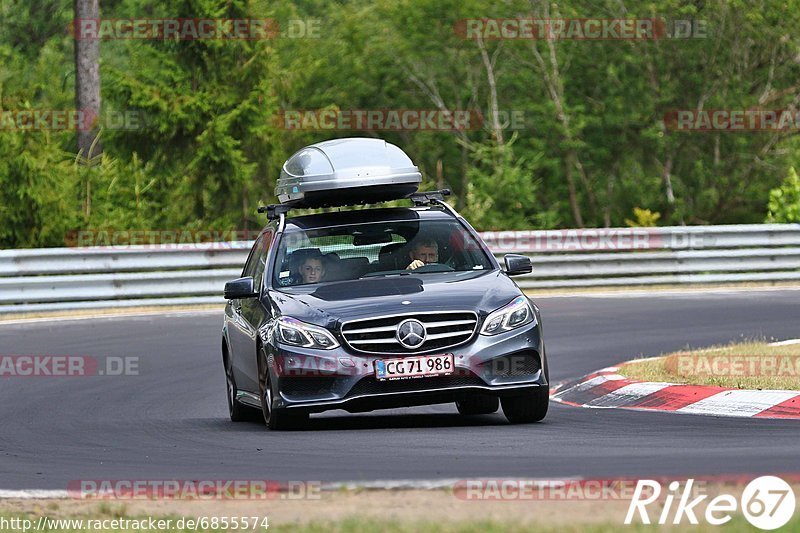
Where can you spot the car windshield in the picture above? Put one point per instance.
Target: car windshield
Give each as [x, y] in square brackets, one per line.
[376, 249]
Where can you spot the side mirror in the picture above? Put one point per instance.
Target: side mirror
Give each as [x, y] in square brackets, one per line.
[240, 288]
[517, 264]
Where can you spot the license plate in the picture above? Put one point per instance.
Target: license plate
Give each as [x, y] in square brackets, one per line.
[414, 367]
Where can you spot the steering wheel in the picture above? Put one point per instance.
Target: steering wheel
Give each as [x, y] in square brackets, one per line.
[434, 267]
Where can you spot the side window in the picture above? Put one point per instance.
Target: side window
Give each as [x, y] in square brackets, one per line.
[250, 264]
[261, 251]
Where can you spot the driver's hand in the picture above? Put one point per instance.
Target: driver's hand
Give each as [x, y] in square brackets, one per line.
[416, 263]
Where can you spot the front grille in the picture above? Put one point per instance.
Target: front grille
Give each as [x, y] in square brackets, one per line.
[371, 385]
[379, 335]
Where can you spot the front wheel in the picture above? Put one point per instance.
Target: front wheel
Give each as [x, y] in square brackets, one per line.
[528, 407]
[275, 419]
[237, 411]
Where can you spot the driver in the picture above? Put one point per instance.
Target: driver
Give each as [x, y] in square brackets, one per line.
[424, 251]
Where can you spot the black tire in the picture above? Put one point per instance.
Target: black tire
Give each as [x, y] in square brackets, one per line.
[236, 410]
[275, 419]
[526, 408]
[478, 404]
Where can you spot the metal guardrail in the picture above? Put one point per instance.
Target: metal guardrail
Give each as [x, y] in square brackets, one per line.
[76, 278]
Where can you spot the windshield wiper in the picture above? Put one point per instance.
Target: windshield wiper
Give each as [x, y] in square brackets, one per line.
[386, 274]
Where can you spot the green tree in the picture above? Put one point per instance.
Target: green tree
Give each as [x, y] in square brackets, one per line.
[784, 201]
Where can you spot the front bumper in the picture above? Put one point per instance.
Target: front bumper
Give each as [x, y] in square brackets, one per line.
[507, 364]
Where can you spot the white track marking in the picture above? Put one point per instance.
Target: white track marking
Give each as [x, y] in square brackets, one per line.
[584, 385]
[627, 394]
[33, 494]
[787, 342]
[644, 359]
[739, 402]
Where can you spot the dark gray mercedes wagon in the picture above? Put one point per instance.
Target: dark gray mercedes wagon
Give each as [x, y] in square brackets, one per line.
[366, 309]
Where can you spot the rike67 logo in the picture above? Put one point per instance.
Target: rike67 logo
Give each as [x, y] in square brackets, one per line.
[767, 502]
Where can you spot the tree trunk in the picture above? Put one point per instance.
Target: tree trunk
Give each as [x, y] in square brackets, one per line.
[87, 83]
[488, 64]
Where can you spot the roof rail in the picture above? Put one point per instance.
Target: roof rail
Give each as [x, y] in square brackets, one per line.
[429, 197]
[274, 211]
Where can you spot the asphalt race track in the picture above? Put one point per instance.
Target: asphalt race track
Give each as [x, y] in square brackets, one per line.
[170, 422]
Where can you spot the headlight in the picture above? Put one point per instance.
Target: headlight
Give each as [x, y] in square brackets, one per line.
[516, 314]
[296, 333]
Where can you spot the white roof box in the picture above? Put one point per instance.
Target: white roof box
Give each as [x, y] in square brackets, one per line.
[345, 172]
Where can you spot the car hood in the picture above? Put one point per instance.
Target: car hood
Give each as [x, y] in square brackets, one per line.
[329, 303]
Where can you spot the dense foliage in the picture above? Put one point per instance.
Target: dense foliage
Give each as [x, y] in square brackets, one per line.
[591, 145]
[784, 201]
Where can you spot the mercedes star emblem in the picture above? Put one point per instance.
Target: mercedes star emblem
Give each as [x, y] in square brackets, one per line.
[411, 333]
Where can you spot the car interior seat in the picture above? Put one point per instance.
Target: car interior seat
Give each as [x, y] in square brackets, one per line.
[391, 256]
[348, 268]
